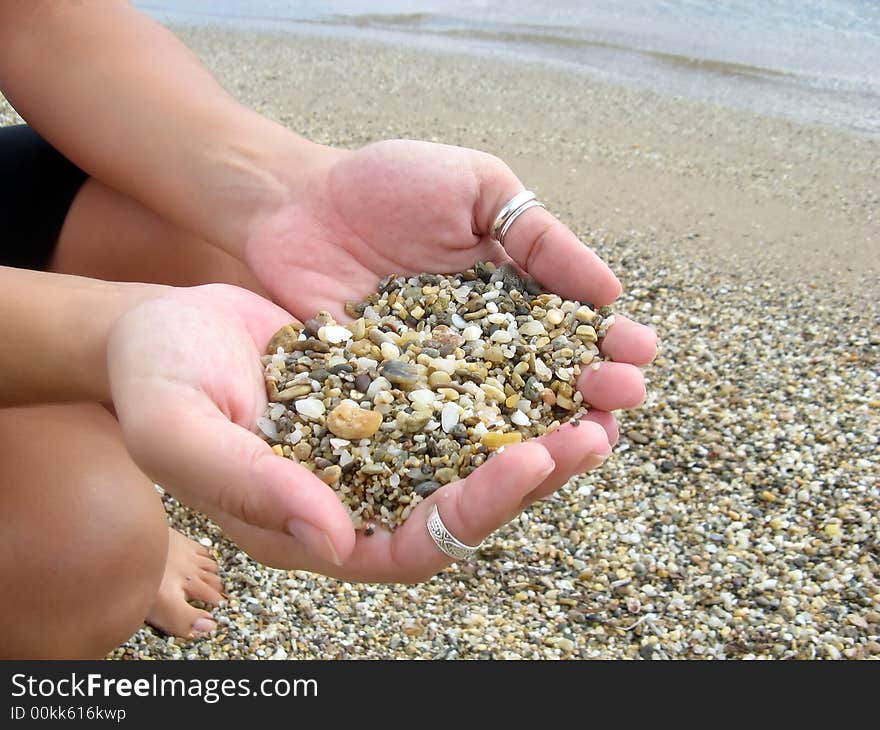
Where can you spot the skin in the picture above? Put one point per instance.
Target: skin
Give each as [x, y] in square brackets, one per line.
[216, 193]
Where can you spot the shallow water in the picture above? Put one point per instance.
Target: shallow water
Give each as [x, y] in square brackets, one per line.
[810, 61]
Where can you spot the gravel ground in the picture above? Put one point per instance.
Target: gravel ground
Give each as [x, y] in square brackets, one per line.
[739, 516]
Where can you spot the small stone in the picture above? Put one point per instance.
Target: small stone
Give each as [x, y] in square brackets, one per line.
[422, 396]
[302, 451]
[532, 328]
[400, 372]
[361, 348]
[427, 488]
[555, 316]
[349, 421]
[310, 408]
[334, 334]
[330, 475]
[445, 475]
[412, 422]
[449, 416]
[412, 628]
[832, 529]
[497, 439]
[585, 314]
[472, 333]
[293, 392]
[389, 351]
[638, 437]
[520, 418]
[284, 338]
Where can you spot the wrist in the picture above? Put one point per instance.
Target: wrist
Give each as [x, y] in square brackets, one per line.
[259, 168]
[56, 329]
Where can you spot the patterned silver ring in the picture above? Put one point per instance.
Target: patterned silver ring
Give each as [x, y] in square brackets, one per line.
[508, 210]
[445, 540]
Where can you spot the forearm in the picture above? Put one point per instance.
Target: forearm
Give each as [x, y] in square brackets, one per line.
[53, 334]
[126, 101]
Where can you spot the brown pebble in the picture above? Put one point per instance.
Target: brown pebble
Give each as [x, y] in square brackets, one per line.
[349, 421]
[284, 338]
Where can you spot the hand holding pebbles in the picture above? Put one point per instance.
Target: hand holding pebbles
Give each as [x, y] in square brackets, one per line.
[432, 376]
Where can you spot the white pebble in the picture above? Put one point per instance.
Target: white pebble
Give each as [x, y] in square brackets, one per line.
[334, 334]
[378, 385]
[276, 411]
[389, 351]
[502, 336]
[310, 407]
[449, 416]
[532, 328]
[339, 443]
[519, 418]
[480, 430]
[268, 427]
[294, 437]
[459, 322]
[471, 333]
[542, 371]
[206, 541]
[422, 396]
[345, 458]
[497, 318]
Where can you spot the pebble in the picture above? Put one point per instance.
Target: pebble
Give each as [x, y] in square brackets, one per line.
[438, 400]
[349, 421]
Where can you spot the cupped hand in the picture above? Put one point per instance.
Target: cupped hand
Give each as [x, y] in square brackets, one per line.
[187, 385]
[406, 207]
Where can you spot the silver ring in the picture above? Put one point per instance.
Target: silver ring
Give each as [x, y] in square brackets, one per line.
[445, 540]
[515, 202]
[516, 214]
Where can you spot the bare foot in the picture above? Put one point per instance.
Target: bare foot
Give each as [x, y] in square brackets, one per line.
[190, 575]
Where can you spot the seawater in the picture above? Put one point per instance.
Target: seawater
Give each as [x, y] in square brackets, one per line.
[809, 60]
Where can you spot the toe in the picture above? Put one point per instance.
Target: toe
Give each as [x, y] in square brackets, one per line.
[211, 579]
[207, 564]
[199, 590]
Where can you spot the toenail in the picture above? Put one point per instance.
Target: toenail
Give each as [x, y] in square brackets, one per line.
[204, 625]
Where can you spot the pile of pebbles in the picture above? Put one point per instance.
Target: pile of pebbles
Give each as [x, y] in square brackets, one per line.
[432, 375]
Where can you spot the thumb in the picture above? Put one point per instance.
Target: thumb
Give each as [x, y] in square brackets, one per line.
[222, 469]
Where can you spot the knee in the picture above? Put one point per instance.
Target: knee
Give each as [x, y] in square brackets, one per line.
[83, 546]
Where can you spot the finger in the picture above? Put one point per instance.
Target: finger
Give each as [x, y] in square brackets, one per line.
[470, 508]
[217, 465]
[630, 342]
[607, 421]
[540, 243]
[575, 447]
[612, 385]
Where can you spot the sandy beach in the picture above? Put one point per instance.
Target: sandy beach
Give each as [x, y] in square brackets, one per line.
[740, 515]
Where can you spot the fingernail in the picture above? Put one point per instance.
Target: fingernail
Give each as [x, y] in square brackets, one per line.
[547, 470]
[313, 540]
[593, 461]
[204, 625]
